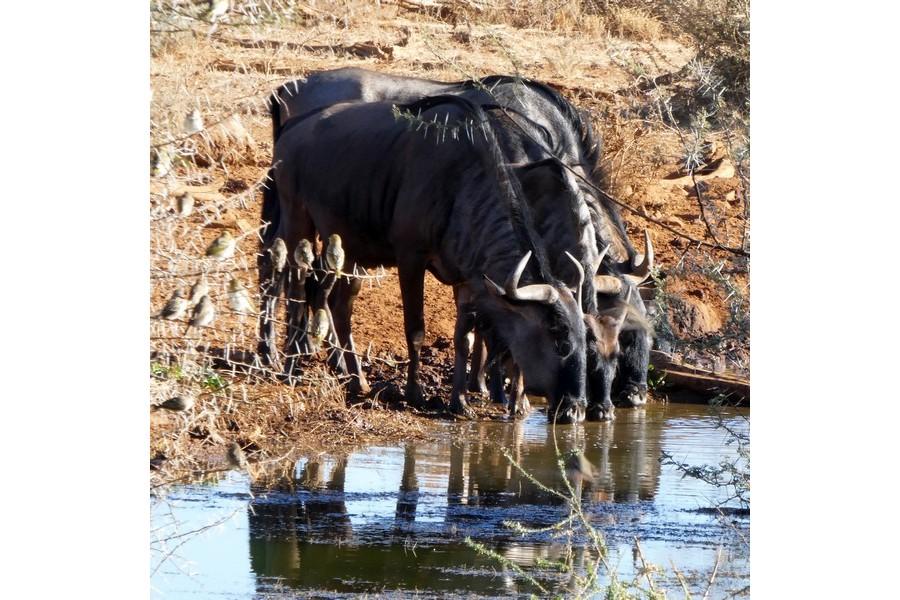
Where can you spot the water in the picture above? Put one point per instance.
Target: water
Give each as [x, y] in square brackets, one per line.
[392, 519]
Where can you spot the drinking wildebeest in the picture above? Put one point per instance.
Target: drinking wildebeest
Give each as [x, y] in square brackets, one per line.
[400, 197]
[564, 224]
[570, 139]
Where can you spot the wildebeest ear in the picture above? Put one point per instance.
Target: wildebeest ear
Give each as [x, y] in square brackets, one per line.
[635, 321]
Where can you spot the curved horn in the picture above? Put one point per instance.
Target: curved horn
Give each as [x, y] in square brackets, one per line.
[580, 276]
[539, 292]
[602, 255]
[493, 287]
[641, 270]
[512, 282]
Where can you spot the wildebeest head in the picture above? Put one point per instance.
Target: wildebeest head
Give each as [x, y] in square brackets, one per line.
[542, 325]
[636, 338]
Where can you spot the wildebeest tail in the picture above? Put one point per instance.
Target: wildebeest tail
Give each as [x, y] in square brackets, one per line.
[271, 209]
[275, 114]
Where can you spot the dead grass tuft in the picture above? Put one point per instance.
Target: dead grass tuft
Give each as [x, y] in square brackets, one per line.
[633, 23]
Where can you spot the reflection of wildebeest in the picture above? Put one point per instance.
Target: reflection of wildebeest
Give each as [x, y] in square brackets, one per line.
[454, 207]
[624, 463]
[287, 530]
[568, 136]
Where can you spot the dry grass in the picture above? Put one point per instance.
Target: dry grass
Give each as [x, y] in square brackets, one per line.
[633, 23]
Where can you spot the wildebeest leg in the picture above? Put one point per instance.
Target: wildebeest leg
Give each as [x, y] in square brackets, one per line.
[342, 300]
[465, 321]
[270, 289]
[412, 290]
[476, 383]
[518, 401]
[296, 320]
[321, 300]
[496, 378]
[295, 224]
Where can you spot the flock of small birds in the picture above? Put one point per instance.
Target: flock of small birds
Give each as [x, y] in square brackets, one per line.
[223, 247]
[197, 306]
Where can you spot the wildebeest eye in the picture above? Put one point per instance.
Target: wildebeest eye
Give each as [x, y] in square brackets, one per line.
[564, 347]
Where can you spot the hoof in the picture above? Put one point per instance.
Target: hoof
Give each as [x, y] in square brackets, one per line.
[414, 396]
[600, 413]
[522, 409]
[566, 416]
[632, 399]
[479, 388]
[359, 386]
[460, 409]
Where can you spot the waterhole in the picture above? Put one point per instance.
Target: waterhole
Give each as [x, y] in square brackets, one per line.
[393, 520]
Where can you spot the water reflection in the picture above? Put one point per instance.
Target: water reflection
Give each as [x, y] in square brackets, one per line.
[395, 517]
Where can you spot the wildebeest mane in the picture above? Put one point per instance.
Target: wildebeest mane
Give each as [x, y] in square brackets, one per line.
[496, 164]
[590, 145]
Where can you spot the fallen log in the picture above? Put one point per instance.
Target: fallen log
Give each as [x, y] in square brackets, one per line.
[703, 382]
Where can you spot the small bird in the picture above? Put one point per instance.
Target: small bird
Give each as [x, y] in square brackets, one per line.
[334, 254]
[238, 299]
[204, 314]
[236, 457]
[222, 247]
[318, 328]
[216, 10]
[162, 163]
[185, 204]
[193, 122]
[176, 404]
[198, 290]
[175, 307]
[303, 254]
[279, 254]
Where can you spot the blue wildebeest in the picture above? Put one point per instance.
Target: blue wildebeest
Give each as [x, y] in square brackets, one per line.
[400, 197]
[569, 139]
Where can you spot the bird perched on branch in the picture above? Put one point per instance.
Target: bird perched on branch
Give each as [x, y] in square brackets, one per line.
[334, 254]
[204, 314]
[279, 254]
[175, 307]
[198, 290]
[238, 298]
[303, 254]
[318, 328]
[185, 204]
[222, 247]
[236, 456]
[193, 122]
[162, 162]
[176, 404]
